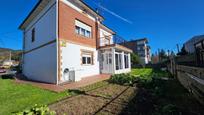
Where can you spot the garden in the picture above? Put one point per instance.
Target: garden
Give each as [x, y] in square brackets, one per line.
[141, 92]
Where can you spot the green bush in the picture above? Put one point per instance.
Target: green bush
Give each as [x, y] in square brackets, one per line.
[122, 79]
[37, 110]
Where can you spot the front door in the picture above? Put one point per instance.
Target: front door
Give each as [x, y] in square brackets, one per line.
[107, 61]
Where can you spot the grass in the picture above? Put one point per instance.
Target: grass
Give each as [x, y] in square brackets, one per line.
[149, 73]
[142, 71]
[16, 97]
[155, 95]
[158, 93]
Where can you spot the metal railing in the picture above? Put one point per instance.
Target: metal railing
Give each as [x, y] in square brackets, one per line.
[116, 39]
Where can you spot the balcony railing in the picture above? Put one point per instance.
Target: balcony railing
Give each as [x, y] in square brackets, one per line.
[115, 40]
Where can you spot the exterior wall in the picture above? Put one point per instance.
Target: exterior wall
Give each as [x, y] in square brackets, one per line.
[68, 13]
[189, 45]
[71, 59]
[103, 33]
[40, 60]
[45, 28]
[41, 64]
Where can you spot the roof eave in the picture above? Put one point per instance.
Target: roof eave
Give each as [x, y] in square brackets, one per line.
[21, 25]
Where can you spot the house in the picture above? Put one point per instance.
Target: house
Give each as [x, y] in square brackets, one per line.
[65, 40]
[8, 63]
[140, 47]
[199, 51]
[190, 44]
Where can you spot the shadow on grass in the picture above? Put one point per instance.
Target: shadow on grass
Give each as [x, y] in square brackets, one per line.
[76, 92]
[158, 93]
[162, 97]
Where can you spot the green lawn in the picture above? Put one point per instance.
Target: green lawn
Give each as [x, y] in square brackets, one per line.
[16, 97]
[142, 71]
[148, 73]
[159, 93]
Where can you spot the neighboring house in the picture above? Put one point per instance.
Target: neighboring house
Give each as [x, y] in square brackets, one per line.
[8, 63]
[141, 48]
[190, 44]
[65, 40]
[199, 46]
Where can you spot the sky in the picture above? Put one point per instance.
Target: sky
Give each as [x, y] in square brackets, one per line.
[164, 22]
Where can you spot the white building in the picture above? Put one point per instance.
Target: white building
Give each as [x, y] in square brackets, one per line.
[141, 48]
[65, 40]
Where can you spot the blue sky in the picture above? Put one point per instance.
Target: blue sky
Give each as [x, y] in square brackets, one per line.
[164, 22]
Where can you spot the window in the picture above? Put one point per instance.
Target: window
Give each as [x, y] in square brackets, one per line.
[126, 59]
[82, 29]
[77, 29]
[33, 35]
[87, 58]
[118, 61]
[82, 32]
[88, 34]
[110, 58]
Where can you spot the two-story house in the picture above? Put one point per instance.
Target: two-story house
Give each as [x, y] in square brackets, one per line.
[65, 40]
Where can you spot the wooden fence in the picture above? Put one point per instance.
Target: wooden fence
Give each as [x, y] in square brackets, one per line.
[192, 78]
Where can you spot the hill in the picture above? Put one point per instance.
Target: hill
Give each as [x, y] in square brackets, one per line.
[5, 53]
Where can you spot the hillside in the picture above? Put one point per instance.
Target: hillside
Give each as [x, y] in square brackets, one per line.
[5, 52]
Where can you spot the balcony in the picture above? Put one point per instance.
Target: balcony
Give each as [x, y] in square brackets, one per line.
[110, 40]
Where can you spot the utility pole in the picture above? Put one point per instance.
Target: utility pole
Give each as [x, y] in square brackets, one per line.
[178, 47]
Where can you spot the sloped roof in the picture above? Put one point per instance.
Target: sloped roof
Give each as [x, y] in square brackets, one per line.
[43, 3]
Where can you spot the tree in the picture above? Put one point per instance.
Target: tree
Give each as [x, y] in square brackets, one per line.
[135, 59]
[183, 51]
[162, 55]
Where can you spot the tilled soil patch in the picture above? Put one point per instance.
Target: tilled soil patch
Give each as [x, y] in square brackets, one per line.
[99, 101]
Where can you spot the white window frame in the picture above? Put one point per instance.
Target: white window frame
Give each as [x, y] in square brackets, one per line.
[86, 56]
[84, 29]
[126, 60]
[120, 61]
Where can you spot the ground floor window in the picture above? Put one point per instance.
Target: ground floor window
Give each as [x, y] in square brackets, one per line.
[126, 59]
[118, 61]
[87, 58]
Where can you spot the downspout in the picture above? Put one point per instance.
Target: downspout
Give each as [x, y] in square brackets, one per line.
[97, 29]
[57, 40]
[97, 36]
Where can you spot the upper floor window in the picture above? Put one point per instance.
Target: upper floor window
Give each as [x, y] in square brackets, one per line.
[33, 35]
[82, 29]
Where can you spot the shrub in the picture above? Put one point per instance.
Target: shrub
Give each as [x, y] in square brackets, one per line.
[37, 110]
[122, 79]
